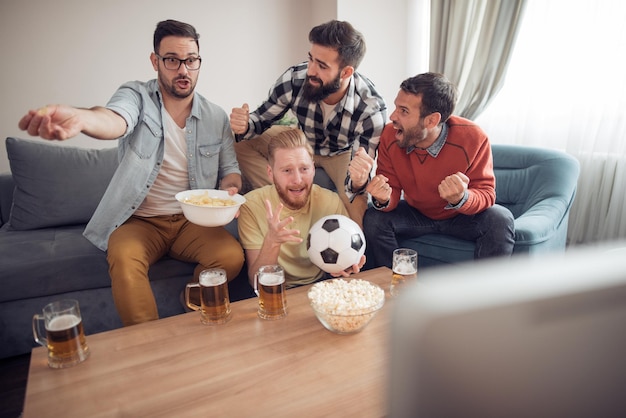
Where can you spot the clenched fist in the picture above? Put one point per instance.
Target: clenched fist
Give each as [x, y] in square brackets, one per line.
[379, 188]
[239, 119]
[452, 188]
[360, 168]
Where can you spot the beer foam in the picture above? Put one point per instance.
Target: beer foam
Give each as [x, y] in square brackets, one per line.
[404, 268]
[212, 279]
[271, 279]
[62, 322]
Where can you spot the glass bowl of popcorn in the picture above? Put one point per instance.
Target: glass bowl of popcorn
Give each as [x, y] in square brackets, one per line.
[346, 306]
[209, 207]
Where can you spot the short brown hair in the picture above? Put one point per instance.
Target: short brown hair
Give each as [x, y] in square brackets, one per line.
[438, 93]
[289, 139]
[342, 37]
[174, 28]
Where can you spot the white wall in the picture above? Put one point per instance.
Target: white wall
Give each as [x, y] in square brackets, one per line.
[79, 51]
[384, 26]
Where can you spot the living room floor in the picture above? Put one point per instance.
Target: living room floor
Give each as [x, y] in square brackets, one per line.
[13, 378]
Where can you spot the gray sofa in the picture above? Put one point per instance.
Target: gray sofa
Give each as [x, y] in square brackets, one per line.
[45, 202]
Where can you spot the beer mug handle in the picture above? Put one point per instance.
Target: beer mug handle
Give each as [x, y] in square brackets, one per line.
[256, 284]
[187, 301]
[37, 319]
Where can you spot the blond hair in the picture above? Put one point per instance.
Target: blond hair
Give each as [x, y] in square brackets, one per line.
[289, 139]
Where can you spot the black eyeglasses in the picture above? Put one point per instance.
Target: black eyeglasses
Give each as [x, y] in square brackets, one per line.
[171, 63]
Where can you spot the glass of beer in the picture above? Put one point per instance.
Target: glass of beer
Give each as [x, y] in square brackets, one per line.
[269, 285]
[404, 267]
[64, 336]
[214, 300]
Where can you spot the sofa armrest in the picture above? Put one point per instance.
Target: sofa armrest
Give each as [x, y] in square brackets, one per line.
[538, 185]
[542, 221]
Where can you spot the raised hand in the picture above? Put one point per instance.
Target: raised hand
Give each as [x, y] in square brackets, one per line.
[58, 122]
[277, 232]
[379, 188]
[453, 187]
[239, 119]
[359, 168]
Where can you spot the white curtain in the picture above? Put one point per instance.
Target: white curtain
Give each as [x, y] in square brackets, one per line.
[471, 42]
[566, 89]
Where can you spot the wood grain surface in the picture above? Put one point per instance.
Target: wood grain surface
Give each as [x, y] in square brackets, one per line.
[178, 367]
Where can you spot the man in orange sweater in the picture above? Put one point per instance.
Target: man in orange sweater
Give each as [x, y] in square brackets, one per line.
[443, 164]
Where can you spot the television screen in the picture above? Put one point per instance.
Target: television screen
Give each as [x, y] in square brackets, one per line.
[519, 337]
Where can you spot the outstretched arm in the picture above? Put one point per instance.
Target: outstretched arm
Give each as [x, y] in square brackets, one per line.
[61, 122]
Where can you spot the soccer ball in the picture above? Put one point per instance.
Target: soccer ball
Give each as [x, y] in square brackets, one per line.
[334, 243]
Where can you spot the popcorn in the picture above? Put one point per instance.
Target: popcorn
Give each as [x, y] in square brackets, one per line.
[346, 306]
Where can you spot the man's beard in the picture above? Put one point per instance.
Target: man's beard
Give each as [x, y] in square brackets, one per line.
[290, 203]
[316, 94]
[170, 87]
[412, 136]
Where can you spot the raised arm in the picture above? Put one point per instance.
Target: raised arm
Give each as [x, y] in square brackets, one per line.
[61, 122]
[278, 233]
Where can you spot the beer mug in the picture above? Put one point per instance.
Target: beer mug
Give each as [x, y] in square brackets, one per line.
[214, 301]
[404, 267]
[269, 286]
[64, 337]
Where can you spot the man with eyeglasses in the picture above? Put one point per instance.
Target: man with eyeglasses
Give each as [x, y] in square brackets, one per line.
[170, 139]
[434, 176]
[337, 108]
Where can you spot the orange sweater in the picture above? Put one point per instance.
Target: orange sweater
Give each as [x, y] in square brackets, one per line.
[418, 174]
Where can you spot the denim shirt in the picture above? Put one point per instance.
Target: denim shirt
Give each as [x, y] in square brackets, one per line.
[210, 153]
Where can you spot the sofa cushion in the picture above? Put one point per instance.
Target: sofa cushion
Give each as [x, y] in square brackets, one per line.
[49, 261]
[56, 185]
[53, 261]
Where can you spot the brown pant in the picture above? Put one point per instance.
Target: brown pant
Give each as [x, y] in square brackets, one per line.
[252, 157]
[140, 242]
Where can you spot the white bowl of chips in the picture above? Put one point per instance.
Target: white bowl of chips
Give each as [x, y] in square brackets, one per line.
[209, 207]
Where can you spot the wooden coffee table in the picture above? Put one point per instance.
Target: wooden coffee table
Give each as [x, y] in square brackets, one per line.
[248, 367]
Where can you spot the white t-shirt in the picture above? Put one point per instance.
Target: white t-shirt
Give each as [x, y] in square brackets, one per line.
[327, 110]
[173, 176]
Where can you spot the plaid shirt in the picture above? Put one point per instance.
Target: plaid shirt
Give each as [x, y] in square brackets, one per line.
[357, 120]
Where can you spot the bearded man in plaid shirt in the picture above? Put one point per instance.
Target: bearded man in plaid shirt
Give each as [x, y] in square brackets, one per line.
[339, 110]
